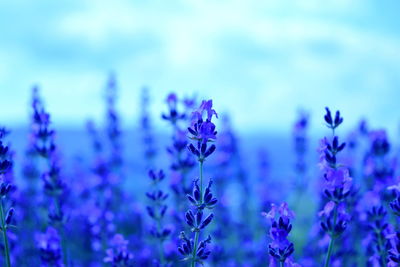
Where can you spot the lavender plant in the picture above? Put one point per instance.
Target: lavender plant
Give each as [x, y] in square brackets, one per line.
[6, 213]
[118, 254]
[157, 211]
[300, 147]
[379, 228]
[280, 248]
[337, 185]
[54, 186]
[113, 128]
[49, 244]
[202, 133]
[182, 160]
[145, 126]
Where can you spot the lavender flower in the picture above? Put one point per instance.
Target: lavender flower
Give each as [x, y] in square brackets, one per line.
[280, 248]
[157, 211]
[118, 254]
[6, 216]
[300, 146]
[337, 185]
[145, 126]
[113, 125]
[54, 186]
[173, 115]
[182, 160]
[380, 230]
[203, 132]
[49, 244]
[394, 251]
[378, 169]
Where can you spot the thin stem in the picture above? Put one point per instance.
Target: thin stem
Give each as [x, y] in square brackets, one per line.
[328, 255]
[332, 241]
[196, 240]
[201, 181]
[281, 264]
[5, 238]
[197, 234]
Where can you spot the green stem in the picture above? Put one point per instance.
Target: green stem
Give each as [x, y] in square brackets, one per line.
[281, 264]
[196, 240]
[201, 181]
[197, 234]
[5, 238]
[329, 253]
[332, 241]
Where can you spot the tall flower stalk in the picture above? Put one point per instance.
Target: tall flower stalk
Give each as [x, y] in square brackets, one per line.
[118, 254]
[280, 248]
[6, 215]
[113, 128]
[202, 133]
[337, 185]
[156, 211]
[300, 129]
[146, 129]
[380, 229]
[182, 159]
[54, 186]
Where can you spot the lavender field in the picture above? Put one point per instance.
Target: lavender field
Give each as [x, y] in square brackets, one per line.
[195, 194]
[199, 133]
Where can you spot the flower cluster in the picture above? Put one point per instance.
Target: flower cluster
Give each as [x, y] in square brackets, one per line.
[394, 251]
[378, 169]
[113, 125]
[157, 210]
[118, 254]
[379, 228]
[337, 184]
[6, 214]
[145, 126]
[203, 131]
[182, 160]
[53, 185]
[280, 248]
[173, 115]
[49, 244]
[300, 144]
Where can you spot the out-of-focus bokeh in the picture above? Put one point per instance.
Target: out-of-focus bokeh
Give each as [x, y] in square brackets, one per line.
[259, 60]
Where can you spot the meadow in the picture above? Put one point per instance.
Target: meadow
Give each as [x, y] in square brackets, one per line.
[195, 194]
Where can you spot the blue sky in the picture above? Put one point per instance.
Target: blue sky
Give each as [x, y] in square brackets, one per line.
[259, 60]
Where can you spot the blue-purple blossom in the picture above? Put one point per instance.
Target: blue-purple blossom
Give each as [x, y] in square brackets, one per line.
[379, 231]
[118, 254]
[173, 115]
[336, 187]
[49, 244]
[6, 212]
[203, 130]
[280, 248]
[157, 210]
[196, 250]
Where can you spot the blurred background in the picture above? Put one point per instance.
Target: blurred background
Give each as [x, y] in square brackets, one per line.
[259, 60]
